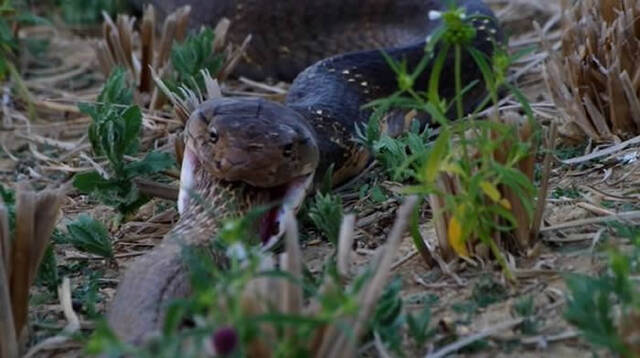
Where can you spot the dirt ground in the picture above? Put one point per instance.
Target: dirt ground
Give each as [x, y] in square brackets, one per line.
[49, 150]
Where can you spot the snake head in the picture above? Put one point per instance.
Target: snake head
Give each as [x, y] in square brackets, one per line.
[261, 143]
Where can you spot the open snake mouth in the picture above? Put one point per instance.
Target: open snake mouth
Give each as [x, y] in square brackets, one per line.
[288, 198]
[284, 199]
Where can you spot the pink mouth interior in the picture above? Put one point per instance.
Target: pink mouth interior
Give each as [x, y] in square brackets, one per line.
[268, 226]
[289, 198]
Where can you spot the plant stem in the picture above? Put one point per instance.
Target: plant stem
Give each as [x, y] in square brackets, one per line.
[501, 260]
[418, 241]
[458, 80]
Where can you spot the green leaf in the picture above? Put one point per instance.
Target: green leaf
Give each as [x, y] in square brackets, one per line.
[327, 181]
[437, 155]
[378, 195]
[174, 317]
[88, 182]
[132, 118]
[191, 57]
[326, 214]
[89, 235]
[104, 341]
[154, 162]
[419, 326]
[387, 317]
[116, 90]
[85, 12]
[520, 184]
[487, 292]
[590, 308]
[481, 60]
[116, 123]
[433, 93]
[29, 18]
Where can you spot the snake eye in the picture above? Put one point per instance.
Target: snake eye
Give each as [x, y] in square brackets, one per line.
[213, 135]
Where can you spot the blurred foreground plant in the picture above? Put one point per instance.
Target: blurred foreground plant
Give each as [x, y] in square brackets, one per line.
[254, 308]
[606, 309]
[22, 245]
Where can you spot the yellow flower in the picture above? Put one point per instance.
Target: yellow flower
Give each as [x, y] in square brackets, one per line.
[456, 238]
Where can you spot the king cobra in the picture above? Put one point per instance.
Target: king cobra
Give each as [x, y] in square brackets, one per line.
[281, 151]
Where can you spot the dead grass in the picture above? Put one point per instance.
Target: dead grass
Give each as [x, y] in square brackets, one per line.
[595, 78]
[52, 147]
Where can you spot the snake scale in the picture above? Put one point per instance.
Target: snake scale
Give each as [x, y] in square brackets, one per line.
[332, 51]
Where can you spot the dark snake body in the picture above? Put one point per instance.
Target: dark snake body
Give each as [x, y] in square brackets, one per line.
[288, 36]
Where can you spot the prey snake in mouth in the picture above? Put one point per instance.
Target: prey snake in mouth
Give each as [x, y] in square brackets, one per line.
[282, 150]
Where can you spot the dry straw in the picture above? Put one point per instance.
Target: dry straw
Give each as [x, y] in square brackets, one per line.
[20, 256]
[594, 80]
[145, 51]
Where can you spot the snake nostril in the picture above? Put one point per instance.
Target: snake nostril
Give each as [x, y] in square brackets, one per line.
[287, 149]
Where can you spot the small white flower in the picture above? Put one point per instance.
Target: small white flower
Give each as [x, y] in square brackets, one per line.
[435, 15]
[428, 39]
[237, 251]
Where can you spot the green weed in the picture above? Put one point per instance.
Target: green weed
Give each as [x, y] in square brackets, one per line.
[87, 12]
[606, 309]
[87, 294]
[48, 275]
[388, 320]
[467, 309]
[114, 133]
[418, 326]
[399, 156]
[524, 307]
[487, 292]
[14, 14]
[325, 211]
[89, 235]
[568, 152]
[571, 193]
[482, 157]
[190, 58]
